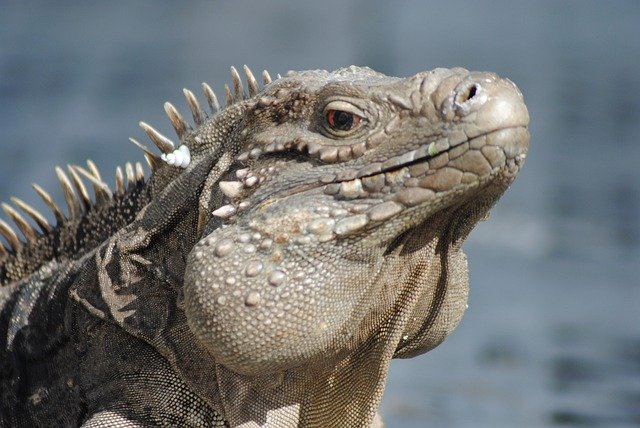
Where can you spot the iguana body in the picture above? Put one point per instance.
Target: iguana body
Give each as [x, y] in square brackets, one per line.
[302, 237]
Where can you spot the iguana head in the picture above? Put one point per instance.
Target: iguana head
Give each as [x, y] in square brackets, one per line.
[340, 221]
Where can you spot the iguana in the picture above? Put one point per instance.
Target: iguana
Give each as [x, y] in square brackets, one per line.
[272, 264]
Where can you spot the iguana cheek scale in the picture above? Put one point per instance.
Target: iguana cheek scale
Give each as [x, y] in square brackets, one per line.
[275, 261]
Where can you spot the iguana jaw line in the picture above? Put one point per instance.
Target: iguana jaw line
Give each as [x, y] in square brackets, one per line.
[420, 155]
[380, 206]
[416, 205]
[432, 151]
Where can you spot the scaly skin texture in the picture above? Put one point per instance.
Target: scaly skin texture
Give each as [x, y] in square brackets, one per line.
[315, 235]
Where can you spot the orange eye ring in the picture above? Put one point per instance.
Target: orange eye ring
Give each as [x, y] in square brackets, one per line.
[341, 120]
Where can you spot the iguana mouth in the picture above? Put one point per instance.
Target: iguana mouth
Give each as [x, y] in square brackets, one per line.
[433, 149]
[414, 185]
[347, 184]
[435, 167]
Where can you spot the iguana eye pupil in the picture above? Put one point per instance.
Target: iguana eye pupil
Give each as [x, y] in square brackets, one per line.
[342, 120]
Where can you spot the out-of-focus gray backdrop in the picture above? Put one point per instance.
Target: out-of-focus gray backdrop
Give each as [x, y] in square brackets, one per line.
[552, 333]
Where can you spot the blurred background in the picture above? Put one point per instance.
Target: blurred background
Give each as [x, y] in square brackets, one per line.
[552, 333]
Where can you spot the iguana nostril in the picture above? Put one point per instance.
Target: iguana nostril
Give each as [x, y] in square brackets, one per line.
[468, 97]
[472, 92]
[468, 94]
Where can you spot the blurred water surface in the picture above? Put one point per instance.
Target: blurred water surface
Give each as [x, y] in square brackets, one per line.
[552, 334]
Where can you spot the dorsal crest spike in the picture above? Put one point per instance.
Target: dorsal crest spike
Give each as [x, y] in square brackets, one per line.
[80, 187]
[100, 188]
[212, 100]
[93, 169]
[69, 194]
[163, 143]
[266, 77]
[177, 121]
[48, 200]
[119, 181]
[29, 232]
[7, 232]
[139, 173]
[228, 97]
[238, 89]
[147, 152]
[251, 82]
[196, 111]
[131, 178]
[40, 220]
[153, 162]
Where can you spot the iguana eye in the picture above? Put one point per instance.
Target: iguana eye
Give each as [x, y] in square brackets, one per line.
[341, 120]
[341, 117]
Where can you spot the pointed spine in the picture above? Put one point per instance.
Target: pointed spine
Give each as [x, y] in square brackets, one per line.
[163, 143]
[228, 97]
[139, 173]
[69, 195]
[177, 121]
[131, 178]
[251, 82]
[153, 160]
[100, 188]
[119, 181]
[40, 220]
[238, 89]
[196, 111]
[266, 77]
[80, 187]
[93, 169]
[10, 236]
[29, 232]
[212, 100]
[48, 200]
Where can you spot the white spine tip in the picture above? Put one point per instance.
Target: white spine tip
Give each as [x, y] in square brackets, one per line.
[180, 157]
[186, 156]
[177, 158]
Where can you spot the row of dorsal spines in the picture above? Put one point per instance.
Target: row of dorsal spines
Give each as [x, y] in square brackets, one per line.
[183, 128]
[76, 196]
[75, 193]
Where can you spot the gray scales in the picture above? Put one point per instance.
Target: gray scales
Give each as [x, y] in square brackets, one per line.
[272, 264]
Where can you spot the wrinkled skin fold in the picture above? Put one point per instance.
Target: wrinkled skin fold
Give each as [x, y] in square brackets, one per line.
[315, 235]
